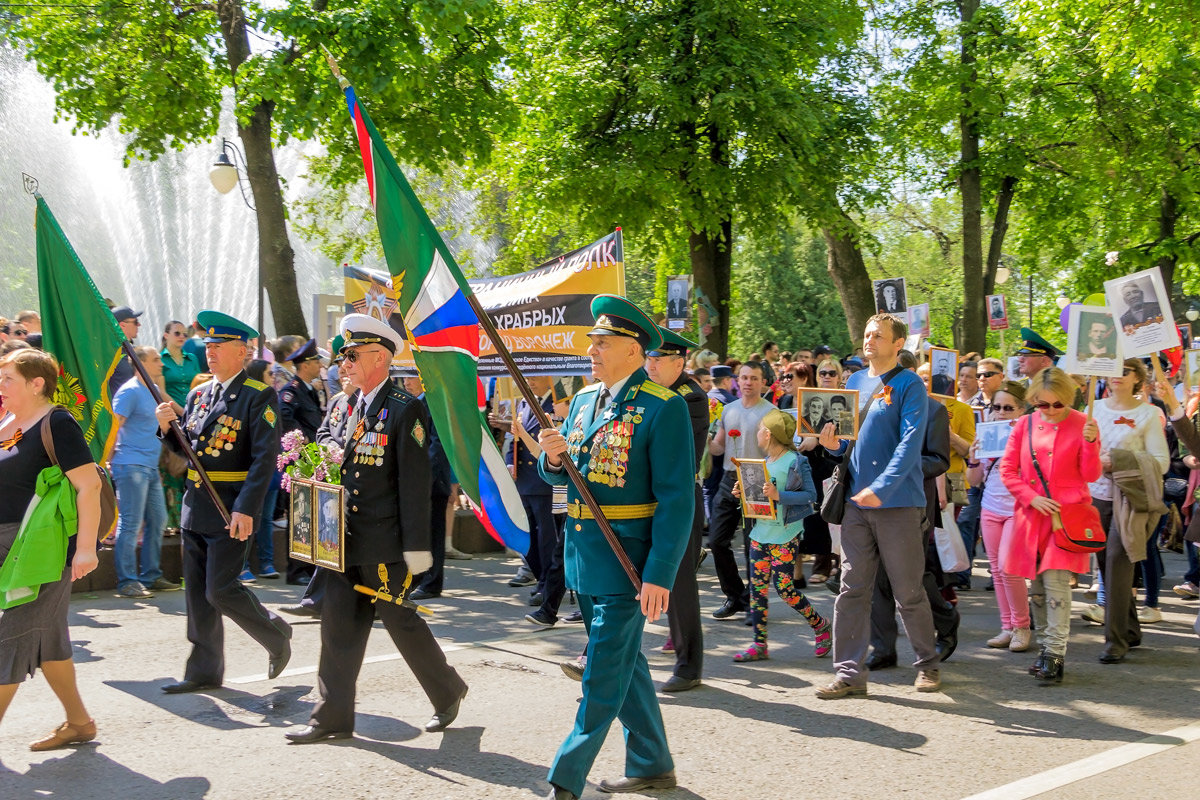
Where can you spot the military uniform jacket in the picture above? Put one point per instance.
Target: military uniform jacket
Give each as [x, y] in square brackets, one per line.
[335, 427]
[529, 479]
[697, 406]
[236, 436]
[300, 408]
[388, 480]
[630, 455]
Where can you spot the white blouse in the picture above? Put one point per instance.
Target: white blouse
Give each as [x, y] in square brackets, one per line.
[1138, 429]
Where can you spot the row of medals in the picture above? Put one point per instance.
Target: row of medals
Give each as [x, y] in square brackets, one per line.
[368, 447]
[610, 450]
[224, 436]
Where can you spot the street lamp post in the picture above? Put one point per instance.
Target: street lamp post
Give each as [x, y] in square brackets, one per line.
[224, 175]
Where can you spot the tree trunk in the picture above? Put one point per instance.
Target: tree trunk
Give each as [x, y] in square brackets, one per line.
[276, 261]
[1004, 198]
[969, 183]
[1168, 214]
[712, 259]
[849, 273]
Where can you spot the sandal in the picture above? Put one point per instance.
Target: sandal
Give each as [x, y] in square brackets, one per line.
[824, 642]
[66, 734]
[755, 652]
[818, 577]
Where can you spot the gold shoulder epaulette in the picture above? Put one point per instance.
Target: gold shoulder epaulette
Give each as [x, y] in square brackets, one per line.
[685, 389]
[654, 390]
[257, 386]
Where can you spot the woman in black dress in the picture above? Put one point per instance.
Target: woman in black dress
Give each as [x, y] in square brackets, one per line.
[35, 634]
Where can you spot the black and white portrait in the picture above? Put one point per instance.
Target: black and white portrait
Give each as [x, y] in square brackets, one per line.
[300, 542]
[752, 477]
[943, 371]
[891, 296]
[1092, 344]
[992, 438]
[997, 311]
[679, 308]
[818, 407]
[1143, 309]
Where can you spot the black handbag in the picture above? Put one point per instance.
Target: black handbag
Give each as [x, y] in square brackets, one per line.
[833, 507]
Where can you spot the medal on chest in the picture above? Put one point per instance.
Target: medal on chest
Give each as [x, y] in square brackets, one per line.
[224, 434]
[609, 455]
[369, 445]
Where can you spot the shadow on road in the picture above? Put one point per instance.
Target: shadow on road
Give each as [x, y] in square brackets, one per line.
[66, 777]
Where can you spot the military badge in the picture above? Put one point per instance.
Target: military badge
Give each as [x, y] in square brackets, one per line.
[418, 432]
[269, 416]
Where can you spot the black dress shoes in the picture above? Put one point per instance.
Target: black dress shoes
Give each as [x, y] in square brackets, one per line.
[678, 684]
[418, 594]
[185, 686]
[278, 662]
[877, 661]
[442, 719]
[1108, 657]
[315, 733]
[728, 609]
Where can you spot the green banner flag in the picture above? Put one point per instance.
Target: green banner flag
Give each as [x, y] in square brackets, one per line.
[79, 330]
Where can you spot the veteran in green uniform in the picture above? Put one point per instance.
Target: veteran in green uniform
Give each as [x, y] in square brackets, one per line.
[632, 441]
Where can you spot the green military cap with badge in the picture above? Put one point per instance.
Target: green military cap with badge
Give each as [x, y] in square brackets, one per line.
[336, 348]
[616, 316]
[672, 345]
[220, 327]
[1034, 345]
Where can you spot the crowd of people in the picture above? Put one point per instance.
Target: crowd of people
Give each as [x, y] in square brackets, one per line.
[857, 496]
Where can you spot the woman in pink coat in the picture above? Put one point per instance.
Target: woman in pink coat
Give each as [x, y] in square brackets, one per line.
[1068, 450]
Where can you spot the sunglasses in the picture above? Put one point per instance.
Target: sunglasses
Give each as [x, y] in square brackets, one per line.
[828, 373]
[997, 407]
[989, 374]
[1057, 406]
[178, 333]
[354, 355]
[787, 377]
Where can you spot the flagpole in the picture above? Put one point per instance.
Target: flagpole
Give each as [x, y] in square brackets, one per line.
[192, 458]
[572, 471]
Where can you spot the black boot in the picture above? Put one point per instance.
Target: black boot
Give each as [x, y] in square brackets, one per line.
[1051, 671]
[1039, 664]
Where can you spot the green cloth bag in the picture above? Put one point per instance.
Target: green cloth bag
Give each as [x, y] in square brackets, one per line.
[39, 553]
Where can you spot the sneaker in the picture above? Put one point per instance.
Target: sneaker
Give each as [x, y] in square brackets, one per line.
[541, 618]
[164, 585]
[1094, 613]
[755, 652]
[281, 523]
[668, 646]
[134, 589]
[456, 554]
[246, 577]
[575, 617]
[1022, 638]
[928, 680]
[1188, 590]
[270, 573]
[1148, 615]
[1001, 639]
[838, 689]
[574, 669]
[523, 578]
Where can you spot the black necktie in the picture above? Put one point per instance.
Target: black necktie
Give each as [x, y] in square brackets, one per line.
[601, 403]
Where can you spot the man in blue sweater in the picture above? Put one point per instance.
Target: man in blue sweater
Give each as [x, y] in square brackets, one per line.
[883, 523]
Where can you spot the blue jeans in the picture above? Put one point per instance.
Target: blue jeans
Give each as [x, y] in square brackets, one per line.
[140, 500]
[264, 536]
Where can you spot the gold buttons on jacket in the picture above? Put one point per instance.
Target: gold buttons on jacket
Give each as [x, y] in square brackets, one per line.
[354, 508]
[578, 527]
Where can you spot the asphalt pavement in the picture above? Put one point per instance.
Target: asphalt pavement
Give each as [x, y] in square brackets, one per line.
[750, 731]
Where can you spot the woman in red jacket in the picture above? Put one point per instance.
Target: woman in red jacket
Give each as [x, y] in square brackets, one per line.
[1068, 450]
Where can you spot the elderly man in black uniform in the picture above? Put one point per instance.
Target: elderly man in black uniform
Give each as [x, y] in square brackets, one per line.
[333, 430]
[299, 403]
[231, 424]
[386, 474]
[664, 365]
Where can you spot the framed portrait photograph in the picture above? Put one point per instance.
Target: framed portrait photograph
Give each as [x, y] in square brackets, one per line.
[330, 513]
[891, 296]
[918, 319]
[997, 312]
[943, 371]
[752, 476]
[913, 343]
[300, 516]
[1092, 344]
[1191, 368]
[817, 407]
[679, 303]
[1145, 324]
[992, 438]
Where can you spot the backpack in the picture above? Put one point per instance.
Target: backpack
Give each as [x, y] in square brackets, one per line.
[108, 495]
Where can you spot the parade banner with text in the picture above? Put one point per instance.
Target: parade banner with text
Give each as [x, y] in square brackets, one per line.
[543, 315]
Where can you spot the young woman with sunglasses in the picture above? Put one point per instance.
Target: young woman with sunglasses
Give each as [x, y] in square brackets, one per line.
[1126, 422]
[996, 525]
[1068, 451]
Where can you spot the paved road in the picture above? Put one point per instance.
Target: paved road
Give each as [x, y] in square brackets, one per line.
[752, 731]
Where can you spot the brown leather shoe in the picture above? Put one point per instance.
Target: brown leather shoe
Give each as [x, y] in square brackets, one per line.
[839, 688]
[66, 734]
